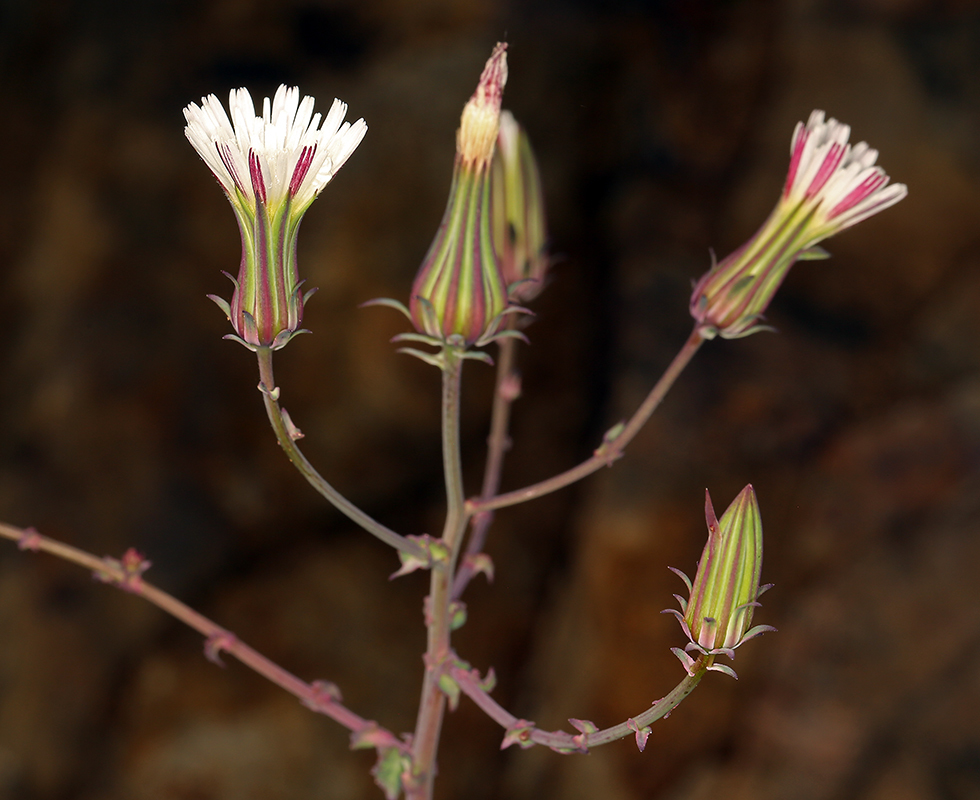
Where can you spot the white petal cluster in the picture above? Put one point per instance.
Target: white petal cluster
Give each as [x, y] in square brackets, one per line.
[284, 152]
[842, 179]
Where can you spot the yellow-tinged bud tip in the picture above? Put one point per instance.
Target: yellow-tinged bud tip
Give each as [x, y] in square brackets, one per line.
[478, 126]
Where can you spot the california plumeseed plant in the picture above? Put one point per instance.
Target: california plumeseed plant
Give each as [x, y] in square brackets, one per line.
[488, 260]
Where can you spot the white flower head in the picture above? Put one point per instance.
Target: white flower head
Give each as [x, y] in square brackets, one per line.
[271, 168]
[831, 185]
[285, 153]
[841, 179]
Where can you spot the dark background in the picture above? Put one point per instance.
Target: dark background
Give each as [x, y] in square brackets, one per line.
[662, 129]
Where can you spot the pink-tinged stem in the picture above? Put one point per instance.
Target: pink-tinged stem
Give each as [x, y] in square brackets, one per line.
[319, 696]
[433, 703]
[562, 741]
[498, 442]
[609, 451]
[285, 432]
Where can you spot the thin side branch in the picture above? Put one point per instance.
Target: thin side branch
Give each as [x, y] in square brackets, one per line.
[526, 734]
[506, 390]
[287, 434]
[611, 448]
[127, 574]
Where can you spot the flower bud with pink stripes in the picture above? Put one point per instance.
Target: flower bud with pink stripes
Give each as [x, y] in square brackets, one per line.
[831, 186]
[459, 290]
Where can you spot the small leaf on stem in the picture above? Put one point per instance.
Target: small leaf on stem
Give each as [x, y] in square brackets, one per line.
[584, 725]
[450, 688]
[294, 433]
[457, 615]
[30, 540]
[584, 728]
[323, 695]
[435, 552]
[605, 450]
[479, 562]
[388, 772]
[272, 394]
[520, 734]
[371, 735]
[215, 643]
[510, 387]
[642, 734]
[488, 682]
[132, 565]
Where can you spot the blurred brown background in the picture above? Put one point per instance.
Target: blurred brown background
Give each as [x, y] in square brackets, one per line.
[662, 130]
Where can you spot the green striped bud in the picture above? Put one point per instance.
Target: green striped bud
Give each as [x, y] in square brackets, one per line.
[519, 228]
[717, 615]
[459, 290]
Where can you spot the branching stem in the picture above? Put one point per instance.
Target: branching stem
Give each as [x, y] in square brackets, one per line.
[445, 584]
[563, 741]
[285, 432]
[319, 696]
[607, 453]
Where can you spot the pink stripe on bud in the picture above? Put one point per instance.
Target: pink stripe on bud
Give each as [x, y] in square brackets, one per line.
[255, 170]
[862, 191]
[830, 163]
[800, 140]
[302, 167]
[224, 153]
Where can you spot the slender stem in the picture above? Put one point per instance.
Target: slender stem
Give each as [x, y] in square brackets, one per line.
[469, 683]
[127, 574]
[609, 451]
[285, 432]
[438, 617]
[506, 391]
[451, 457]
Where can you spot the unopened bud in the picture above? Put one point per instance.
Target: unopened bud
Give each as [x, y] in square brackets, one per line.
[519, 228]
[459, 290]
[717, 615]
